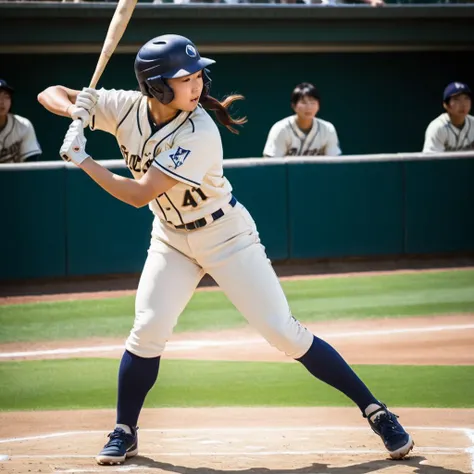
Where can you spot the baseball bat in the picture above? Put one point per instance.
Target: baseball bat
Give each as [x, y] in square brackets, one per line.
[118, 24]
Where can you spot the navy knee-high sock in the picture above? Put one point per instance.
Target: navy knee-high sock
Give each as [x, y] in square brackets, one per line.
[326, 364]
[136, 377]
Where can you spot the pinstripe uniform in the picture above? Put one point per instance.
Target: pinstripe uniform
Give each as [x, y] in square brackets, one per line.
[199, 228]
[18, 140]
[287, 139]
[441, 135]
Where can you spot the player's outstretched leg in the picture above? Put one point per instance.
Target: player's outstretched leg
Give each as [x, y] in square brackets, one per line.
[326, 364]
[137, 376]
[260, 298]
[246, 276]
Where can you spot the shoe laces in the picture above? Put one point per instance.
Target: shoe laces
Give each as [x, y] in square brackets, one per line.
[388, 425]
[117, 437]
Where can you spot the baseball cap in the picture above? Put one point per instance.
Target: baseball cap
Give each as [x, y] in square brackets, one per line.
[455, 88]
[4, 85]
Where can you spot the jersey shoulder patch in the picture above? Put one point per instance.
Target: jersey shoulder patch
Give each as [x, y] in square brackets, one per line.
[179, 156]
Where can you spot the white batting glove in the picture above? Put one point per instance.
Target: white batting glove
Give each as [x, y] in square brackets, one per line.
[85, 104]
[78, 113]
[74, 144]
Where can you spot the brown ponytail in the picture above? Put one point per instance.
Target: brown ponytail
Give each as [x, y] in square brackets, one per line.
[220, 109]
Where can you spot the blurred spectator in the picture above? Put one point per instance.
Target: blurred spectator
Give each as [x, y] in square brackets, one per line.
[17, 135]
[454, 129]
[374, 3]
[302, 134]
[301, 2]
[200, 1]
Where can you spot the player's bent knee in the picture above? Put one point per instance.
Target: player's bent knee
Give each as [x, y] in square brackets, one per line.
[145, 349]
[289, 336]
[148, 340]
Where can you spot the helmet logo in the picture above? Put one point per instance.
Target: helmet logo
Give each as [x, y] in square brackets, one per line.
[191, 51]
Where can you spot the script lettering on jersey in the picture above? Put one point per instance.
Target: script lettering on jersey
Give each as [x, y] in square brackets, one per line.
[311, 152]
[469, 146]
[11, 153]
[134, 162]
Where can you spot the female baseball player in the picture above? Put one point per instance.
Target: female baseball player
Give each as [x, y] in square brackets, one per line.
[173, 150]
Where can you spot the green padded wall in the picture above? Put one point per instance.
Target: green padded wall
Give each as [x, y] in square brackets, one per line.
[105, 235]
[346, 209]
[263, 191]
[33, 223]
[439, 206]
[108, 236]
[57, 222]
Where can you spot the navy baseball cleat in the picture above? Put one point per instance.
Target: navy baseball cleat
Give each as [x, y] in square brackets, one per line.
[120, 446]
[385, 423]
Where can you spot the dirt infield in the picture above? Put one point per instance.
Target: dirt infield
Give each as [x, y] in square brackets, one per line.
[238, 441]
[255, 440]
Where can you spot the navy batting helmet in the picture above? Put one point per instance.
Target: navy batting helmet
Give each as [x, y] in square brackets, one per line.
[167, 57]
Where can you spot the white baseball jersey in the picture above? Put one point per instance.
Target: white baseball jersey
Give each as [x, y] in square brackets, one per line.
[441, 135]
[287, 139]
[18, 140]
[188, 148]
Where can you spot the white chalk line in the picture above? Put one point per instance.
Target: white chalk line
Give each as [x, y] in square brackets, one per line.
[423, 450]
[427, 450]
[231, 430]
[128, 468]
[470, 435]
[197, 344]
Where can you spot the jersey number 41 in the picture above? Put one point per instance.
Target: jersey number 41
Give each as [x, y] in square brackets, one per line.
[189, 199]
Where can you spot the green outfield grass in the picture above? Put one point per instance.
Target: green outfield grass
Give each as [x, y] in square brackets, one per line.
[397, 295]
[91, 383]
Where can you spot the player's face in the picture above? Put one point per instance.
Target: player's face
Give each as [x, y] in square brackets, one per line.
[459, 105]
[5, 103]
[187, 90]
[306, 108]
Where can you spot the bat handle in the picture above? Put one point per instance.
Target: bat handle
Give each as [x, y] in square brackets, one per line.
[78, 122]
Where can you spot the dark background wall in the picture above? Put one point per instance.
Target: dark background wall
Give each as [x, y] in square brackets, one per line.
[379, 102]
[380, 71]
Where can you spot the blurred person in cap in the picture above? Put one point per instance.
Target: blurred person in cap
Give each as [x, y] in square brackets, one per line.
[454, 129]
[17, 136]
